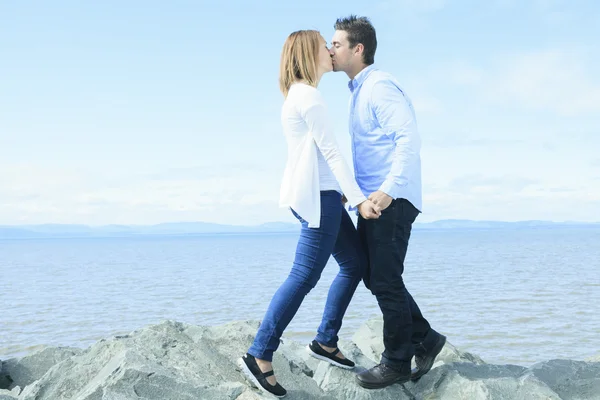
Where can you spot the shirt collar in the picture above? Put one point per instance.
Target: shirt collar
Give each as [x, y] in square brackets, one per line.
[361, 77]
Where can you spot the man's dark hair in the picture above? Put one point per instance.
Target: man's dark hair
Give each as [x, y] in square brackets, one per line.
[359, 30]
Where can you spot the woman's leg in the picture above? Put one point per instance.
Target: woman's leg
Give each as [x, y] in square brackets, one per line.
[314, 248]
[352, 261]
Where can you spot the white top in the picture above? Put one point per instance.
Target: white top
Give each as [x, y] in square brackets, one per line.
[310, 138]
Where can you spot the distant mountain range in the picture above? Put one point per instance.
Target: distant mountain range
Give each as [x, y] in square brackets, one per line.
[173, 228]
[199, 228]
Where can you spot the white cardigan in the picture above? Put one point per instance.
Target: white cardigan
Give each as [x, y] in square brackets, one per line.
[307, 130]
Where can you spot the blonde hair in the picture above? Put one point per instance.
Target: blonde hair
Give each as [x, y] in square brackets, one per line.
[299, 59]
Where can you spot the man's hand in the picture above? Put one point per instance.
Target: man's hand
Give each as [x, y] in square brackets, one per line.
[368, 210]
[380, 199]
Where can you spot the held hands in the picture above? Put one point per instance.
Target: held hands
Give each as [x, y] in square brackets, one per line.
[369, 210]
[381, 199]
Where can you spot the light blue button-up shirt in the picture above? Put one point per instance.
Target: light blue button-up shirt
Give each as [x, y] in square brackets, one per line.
[385, 140]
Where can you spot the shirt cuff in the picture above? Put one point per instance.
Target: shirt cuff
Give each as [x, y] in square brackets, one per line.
[353, 205]
[390, 188]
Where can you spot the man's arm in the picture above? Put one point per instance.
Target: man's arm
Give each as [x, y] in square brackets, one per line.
[397, 120]
[317, 120]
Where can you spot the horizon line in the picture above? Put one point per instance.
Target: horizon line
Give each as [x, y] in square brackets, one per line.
[294, 223]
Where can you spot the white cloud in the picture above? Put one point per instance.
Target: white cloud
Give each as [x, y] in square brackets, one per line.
[461, 139]
[551, 80]
[249, 195]
[427, 105]
[478, 183]
[500, 178]
[556, 80]
[458, 72]
[501, 202]
[236, 195]
[560, 80]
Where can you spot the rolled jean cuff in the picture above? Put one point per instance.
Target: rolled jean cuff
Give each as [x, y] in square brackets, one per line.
[266, 356]
[326, 341]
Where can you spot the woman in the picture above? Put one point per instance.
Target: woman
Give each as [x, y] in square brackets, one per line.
[315, 177]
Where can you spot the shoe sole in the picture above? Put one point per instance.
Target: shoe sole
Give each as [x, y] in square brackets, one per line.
[329, 360]
[437, 349]
[381, 386]
[252, 379]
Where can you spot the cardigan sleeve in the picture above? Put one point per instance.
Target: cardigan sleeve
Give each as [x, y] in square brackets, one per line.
[316, 116]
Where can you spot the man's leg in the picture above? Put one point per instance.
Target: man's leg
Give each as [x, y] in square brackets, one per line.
[386, 240]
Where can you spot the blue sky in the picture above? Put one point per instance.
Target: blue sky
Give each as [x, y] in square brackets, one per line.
[145, 112]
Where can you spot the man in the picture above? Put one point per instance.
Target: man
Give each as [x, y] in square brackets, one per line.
[387, 165]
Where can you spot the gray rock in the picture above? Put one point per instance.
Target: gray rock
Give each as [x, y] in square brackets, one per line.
[479, 382]
[570, 379]
[369, 340]
[5, 380]
[10, 394]
[177, 361]
[24, 371]
[158, 362]
[594, 359]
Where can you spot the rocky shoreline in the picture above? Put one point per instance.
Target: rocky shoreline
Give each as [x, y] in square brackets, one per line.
[178, 361]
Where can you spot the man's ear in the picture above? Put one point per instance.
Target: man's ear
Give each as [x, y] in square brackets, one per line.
[359, 48]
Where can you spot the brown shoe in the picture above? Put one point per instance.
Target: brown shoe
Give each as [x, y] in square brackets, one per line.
[425, 361]
[383, 375]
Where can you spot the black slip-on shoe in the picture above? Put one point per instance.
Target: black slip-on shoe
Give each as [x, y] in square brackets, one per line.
[258, 378]
[315, 350]
[383, 375]
[425, 362]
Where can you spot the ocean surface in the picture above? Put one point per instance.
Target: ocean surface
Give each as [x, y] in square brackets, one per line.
[508, 295]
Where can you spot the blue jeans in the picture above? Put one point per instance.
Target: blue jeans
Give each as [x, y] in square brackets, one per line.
[335, 236]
